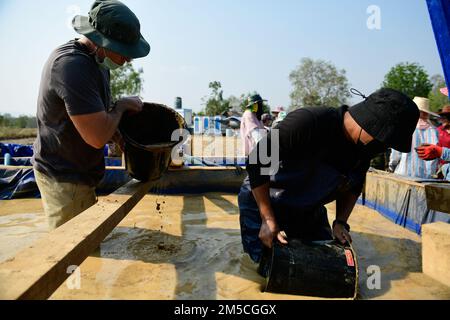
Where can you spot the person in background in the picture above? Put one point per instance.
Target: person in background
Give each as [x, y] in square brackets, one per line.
[434, 152]
[75, 114]
[252, 129]
[281, 116]
[444, 129]
[276, 113]
[409, 164]
[266, 120]
[442, 150]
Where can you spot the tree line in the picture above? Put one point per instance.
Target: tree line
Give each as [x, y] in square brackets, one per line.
[22, 122]
[321, 83]
[314, 83]
[216, 104]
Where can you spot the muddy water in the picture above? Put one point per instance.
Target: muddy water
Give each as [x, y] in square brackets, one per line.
[189, 247]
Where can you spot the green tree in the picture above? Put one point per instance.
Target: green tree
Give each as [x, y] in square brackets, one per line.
[6, 120]
[215, 104]
[318, 83]
[21, 122]
[437, 99]
[409, 78]
[126, 81]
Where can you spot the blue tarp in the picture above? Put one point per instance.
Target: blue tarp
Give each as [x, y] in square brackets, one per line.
[20, 151]
[440, 19]
[21, 183]
[400, 201]
[16, 150]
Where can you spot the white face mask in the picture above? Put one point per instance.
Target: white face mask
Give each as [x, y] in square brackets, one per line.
[107, 63]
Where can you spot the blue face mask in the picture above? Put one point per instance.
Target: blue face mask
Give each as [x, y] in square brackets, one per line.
[107, 63]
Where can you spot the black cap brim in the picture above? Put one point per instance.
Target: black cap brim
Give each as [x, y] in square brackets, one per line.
[369, 122]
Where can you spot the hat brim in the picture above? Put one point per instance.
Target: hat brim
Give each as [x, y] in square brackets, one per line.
[430, 113]
[140, 49]
[250, 104]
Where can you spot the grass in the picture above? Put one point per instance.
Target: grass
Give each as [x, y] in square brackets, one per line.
[17, 133]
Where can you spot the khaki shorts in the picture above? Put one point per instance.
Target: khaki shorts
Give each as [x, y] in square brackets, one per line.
[63, 201]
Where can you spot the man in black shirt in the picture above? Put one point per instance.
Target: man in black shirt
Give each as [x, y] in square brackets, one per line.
[324, 154]
[75, 115]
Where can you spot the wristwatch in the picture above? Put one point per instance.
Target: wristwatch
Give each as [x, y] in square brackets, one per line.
[342, 223]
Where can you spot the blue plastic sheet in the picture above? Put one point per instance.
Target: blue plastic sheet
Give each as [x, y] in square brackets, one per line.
[401, 202]
[440, 19]
[16, 150]
[18, 184]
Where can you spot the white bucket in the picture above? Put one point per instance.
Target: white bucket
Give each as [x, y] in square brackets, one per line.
[230, 133]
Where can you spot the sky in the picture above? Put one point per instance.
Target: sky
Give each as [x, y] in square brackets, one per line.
[247, 45]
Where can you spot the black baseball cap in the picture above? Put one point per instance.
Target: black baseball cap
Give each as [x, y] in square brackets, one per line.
[389, 116]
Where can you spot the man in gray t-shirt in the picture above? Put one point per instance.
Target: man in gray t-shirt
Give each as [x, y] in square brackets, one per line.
[75, 114]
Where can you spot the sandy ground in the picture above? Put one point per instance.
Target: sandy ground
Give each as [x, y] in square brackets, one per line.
[208, 146]
[190, 248]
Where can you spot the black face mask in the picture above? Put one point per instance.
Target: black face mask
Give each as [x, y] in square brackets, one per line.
[370, 150]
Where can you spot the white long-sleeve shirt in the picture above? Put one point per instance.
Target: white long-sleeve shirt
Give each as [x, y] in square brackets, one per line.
[409, 164]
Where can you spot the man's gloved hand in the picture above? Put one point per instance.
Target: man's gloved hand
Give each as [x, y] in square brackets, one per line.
[429, 152]
[269, 231]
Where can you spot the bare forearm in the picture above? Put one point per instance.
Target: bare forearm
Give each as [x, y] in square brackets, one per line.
[345, 205]
[97, 129]
[262, 197]
[112, 122]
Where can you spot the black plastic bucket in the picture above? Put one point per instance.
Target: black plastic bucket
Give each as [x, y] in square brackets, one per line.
[316, 269]
[148, 140]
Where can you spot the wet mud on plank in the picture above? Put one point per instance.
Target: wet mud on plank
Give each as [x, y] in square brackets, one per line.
[36, 272]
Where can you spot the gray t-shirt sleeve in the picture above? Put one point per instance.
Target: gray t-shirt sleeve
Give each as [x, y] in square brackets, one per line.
[75, 81]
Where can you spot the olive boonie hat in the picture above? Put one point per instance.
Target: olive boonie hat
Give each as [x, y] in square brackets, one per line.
[389, 116]
[112, 25]
[254, 99]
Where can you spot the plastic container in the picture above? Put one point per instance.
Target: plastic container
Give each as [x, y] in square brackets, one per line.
[7, 159]
[148, 140]
[316, 269]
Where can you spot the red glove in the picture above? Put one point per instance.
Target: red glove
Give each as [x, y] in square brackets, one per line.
[429, 152]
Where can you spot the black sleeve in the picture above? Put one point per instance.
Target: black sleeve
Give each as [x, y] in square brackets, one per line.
[75, 81]
[358, 177]
[295, 135]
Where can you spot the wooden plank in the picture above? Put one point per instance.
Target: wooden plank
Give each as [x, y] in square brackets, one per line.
[36, 272]
[438, 197]
[393, 177]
